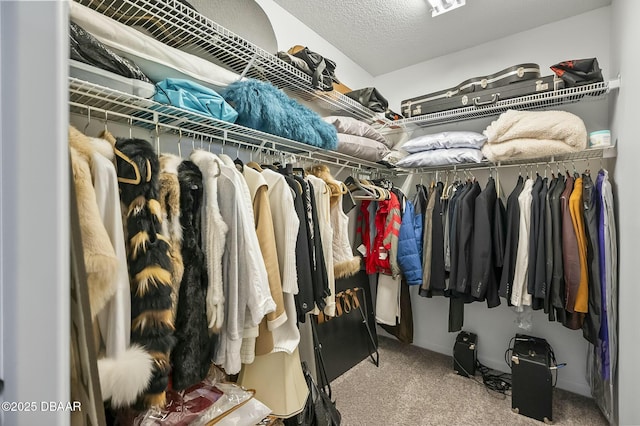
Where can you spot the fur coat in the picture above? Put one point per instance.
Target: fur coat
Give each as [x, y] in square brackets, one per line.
[214, 233]
[149, 261]
[169, 197]
[99, 256]
[124, 370]
[191, 357]
[345, 264]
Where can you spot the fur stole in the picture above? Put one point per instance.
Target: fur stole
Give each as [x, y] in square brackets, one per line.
[191, 357]
[100, 258]
[264, 107]
[148, 259]
[214, 232]
[169, 198]
[345, 264]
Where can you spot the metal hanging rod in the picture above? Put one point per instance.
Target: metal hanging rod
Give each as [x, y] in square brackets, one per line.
[585, 155]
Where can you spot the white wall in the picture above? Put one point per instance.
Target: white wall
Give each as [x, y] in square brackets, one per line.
[626, 61]
[582, 36]
[291, 31]
[35, 207]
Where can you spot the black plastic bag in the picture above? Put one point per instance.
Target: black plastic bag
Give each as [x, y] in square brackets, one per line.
[578, 72]
[86, 48]
[371, 98]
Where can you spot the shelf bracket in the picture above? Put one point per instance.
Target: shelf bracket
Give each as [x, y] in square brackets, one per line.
[249, 65]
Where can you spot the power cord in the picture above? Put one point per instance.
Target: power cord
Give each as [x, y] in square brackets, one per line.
[493, 381]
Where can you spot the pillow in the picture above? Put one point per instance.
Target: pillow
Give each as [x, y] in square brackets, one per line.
[445, 140]
[360, 147]
[351, 126]
[441, 157]
[186, 94]
[262, 106]
[157, 60]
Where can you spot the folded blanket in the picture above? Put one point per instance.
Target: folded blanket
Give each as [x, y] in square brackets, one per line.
[534, 134]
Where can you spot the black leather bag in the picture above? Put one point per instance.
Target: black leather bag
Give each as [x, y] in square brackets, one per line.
[371, 98]
[323, 70]
[319, 410]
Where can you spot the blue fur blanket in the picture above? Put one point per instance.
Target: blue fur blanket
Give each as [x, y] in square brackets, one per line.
[264, 107]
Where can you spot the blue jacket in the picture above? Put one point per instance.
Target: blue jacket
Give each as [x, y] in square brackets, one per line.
[409, 258]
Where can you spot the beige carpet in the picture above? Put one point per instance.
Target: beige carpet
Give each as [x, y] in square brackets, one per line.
[414, 386]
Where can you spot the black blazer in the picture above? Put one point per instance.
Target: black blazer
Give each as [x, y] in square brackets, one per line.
[437, 244]
[557, 277]
[540, 283]
[305, 297]
[533, 237]
[511, 241]
[465, 238]
[548, 249]
[482, 259]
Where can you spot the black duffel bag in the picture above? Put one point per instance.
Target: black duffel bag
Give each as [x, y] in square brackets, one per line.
[371, 98]
[323, 70]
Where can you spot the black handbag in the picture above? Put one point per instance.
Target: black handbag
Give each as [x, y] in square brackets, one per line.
[319, 409]
[371, 98]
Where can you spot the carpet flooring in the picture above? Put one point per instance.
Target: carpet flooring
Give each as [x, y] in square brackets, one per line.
[414, 386]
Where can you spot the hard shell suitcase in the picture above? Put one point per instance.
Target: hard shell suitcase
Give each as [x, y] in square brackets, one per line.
[429, 104]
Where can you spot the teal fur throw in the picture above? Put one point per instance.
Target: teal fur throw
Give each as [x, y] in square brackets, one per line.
[264, 107]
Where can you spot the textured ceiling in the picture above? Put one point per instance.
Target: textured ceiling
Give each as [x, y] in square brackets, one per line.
[386, 35]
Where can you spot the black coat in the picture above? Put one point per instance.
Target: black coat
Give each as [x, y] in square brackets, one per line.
[465, 239]
[304, 298]
[148, 261]
[191, 357]
[483, 274]
[511, 241]
[557, 277]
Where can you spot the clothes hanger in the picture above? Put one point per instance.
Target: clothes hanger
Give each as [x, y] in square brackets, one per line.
[354, 184]
[86, 126]
[179, 141]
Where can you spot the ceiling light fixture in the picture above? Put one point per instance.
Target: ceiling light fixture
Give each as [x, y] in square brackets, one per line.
[438, 7]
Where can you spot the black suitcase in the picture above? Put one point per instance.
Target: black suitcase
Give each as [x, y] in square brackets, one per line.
[443, 101]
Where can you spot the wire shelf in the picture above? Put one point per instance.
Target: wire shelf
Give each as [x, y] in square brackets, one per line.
[98, 102]
[179, 26]
[587, 154]
[530, 102]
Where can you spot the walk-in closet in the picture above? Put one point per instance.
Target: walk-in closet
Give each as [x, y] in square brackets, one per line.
[288, 213]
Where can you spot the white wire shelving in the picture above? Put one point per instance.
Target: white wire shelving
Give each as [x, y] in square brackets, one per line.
[530, 102]
[101, 103]
[177, 25]
[566, 161]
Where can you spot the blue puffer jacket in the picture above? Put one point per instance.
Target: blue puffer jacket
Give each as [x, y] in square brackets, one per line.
[408, 256]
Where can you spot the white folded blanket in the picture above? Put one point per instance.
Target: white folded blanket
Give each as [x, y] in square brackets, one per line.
[533, 134]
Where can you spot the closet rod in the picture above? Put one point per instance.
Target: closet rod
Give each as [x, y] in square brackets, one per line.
[207, 138]
[586, 155]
